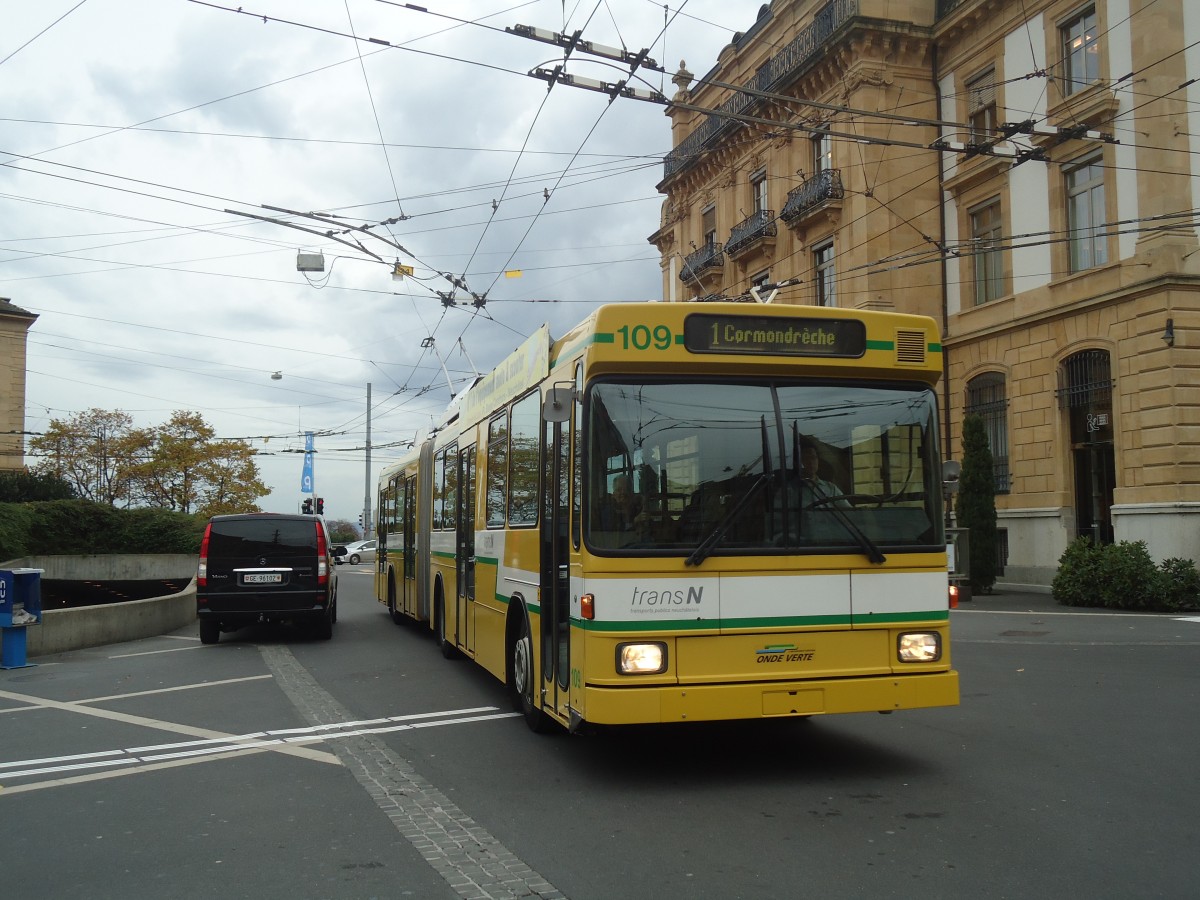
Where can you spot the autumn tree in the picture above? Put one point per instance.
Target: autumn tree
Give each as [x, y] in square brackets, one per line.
[178, 465]
[92, 452]
[183, 468]
[231, 482]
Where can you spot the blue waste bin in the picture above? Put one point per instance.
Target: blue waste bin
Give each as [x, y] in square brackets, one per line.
[20, 607]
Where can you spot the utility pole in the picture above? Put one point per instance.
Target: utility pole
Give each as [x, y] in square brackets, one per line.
[366, 516]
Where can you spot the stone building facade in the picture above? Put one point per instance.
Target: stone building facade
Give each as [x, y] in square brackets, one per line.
[1024, 171]
[14, 328]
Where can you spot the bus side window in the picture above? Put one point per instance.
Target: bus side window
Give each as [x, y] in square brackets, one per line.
[497, 471]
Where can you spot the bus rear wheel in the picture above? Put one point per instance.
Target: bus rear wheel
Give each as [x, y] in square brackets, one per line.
[523, 682]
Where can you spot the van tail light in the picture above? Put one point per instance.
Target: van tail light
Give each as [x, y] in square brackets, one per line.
[322, 559]
[202, 569]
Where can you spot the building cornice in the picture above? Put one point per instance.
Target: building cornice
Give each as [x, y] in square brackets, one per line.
[1123, 294]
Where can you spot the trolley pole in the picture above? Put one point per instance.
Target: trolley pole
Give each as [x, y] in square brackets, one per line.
[366, 516]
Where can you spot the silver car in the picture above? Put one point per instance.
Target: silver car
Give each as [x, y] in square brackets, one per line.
[358, 551]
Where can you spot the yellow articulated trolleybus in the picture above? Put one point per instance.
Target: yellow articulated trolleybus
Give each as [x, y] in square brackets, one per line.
[687, 512]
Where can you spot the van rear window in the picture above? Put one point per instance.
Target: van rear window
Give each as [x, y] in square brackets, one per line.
[252, 537]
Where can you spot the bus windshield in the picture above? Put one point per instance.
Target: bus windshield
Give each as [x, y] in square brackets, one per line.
[694, 468]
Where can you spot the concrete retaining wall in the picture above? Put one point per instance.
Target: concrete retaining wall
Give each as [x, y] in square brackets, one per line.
[112, 623]
[97, 567]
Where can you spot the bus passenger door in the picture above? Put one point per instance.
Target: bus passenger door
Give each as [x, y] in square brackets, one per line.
[465, 551]
[556, 569]
[408, 581]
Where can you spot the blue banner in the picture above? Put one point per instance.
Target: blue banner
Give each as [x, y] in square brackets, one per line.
[306, 475]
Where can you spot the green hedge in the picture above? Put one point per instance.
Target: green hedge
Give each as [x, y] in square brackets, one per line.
[71, 527]
[1123, 576]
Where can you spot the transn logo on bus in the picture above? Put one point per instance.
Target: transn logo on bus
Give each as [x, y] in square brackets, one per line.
[783, 653]
[678, 597]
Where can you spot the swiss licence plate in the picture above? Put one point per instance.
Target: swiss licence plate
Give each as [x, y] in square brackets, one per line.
[262, 578]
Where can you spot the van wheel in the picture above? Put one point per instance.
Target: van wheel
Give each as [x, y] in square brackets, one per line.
[210, 631]
[325, 627]
[523, 684]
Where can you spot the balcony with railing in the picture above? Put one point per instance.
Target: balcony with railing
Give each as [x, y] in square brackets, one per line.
[756, 229]
[815, 192]
[810, 43]
[708, 258]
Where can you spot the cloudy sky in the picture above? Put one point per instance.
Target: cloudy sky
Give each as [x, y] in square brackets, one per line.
[135, 139]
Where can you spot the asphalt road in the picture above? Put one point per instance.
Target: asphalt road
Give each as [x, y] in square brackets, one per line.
[276, 765]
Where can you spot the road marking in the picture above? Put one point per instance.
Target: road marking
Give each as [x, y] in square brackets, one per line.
[118, 773]
[1188, 619]
[1030, 642]
[259, 740]
[181, 687]
[152, 652]
[1080, 612]
[160, 725]
[470, 859]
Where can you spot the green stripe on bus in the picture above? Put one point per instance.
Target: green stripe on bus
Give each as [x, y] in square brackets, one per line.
[605, 337]
[761, 622]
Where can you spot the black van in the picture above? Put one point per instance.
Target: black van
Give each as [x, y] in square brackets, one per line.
[265, 567]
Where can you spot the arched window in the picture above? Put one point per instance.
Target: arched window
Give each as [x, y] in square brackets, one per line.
[1085, 392]
[986, 398]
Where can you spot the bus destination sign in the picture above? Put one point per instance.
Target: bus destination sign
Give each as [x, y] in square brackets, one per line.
[774, 335]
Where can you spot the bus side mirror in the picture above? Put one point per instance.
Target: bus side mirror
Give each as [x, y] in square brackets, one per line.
[557, 407]
[951, 472]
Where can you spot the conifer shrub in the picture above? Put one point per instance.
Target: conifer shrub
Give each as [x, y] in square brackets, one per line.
[976, 506]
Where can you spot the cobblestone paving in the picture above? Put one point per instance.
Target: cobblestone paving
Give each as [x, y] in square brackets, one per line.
[472, 861]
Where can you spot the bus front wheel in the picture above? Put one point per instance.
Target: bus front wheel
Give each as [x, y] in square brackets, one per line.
[447, 648]
[523, 681]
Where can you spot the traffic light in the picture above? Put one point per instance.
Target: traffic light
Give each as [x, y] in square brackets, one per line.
[307, 506]
[320, 506]
[360, 520]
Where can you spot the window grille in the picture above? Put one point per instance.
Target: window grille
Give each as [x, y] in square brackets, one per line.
[1085, 379]
[986, 398]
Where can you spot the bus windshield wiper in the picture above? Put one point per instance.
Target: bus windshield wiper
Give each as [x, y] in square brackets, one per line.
[869, 547]
[705, 547]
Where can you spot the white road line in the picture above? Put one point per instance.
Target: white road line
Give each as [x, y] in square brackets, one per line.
[137, 756]
[180, 687]
[1039, 612]
[160, 725]
[118, 773]
[154, 652]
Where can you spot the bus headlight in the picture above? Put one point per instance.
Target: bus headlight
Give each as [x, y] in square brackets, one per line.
[642, 659]
[919, 647]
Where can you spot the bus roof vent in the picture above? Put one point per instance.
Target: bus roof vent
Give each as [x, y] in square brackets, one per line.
[910, 348]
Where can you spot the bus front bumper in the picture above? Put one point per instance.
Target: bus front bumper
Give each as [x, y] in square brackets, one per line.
[712, 702]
